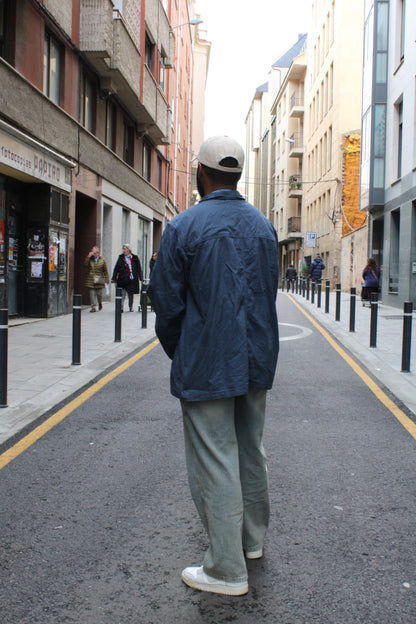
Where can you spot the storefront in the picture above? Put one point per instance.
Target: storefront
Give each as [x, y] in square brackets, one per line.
[35, 183]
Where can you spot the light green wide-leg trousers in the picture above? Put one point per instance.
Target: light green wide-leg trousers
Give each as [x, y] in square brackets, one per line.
[227, 474]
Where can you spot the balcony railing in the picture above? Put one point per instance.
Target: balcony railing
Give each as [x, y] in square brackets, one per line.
[296, 145]
[293, 225]
[297, 105]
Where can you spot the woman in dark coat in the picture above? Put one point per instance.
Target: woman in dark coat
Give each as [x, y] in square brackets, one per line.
[371, 277]
[127, 273]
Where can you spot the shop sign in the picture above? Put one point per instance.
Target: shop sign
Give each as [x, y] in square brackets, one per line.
[35, 160]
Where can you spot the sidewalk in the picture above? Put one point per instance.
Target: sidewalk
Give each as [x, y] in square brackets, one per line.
[383, 361]
[40, 373]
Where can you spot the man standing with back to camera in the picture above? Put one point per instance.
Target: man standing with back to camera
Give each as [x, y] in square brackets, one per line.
[214, 289]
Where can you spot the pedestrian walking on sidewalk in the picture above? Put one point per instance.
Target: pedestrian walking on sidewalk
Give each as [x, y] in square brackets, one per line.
[152, 261]
[127, 273]
[371, 279]
[291, 275]
[97, 278]
[214, 289]
[316, 268]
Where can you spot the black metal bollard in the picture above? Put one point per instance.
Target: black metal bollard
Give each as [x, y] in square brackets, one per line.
[307, 289]
[338, 303]
[407, 336]
[76, 329]
[313, 291]
[117, 325]
[319, 296]
[4, 328]
[374, 314]
[327, 287]
[296, 285]
[144, 307]
[352, 309]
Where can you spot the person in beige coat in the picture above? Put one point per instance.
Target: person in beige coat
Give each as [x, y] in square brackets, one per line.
[97, 277]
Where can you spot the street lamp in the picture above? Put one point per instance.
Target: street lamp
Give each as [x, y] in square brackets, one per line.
[192, 22]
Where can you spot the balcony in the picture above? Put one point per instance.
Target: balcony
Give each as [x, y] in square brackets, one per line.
[295, 186]
[297, 147]
[96, 31]
[297, 105]
[294, 226]
[107, 43]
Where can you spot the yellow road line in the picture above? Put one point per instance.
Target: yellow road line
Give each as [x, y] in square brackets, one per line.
[407, 423]
[56, 418]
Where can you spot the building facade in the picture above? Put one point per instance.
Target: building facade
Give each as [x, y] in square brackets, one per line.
[388, 162]
[275, 149]
[333, 111]
[85, 121]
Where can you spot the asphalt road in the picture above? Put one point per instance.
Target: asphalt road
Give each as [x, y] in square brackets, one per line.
[97, 520]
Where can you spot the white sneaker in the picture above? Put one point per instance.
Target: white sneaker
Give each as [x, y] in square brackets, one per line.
[254, 554]
[195, 577]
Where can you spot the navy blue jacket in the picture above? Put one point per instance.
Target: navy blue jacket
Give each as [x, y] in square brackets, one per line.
[214, 289]
[316, 268]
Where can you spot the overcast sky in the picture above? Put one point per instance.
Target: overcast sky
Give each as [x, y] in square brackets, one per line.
[247, 38]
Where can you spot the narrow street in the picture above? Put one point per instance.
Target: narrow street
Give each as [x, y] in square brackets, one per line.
[97, 520]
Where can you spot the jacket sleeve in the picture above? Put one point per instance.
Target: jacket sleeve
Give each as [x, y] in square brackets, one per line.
[115, 272]
[167, 290]
[139, 269]
[105, 270]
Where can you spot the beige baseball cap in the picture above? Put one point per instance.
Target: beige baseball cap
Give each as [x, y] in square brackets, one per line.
[216, 149]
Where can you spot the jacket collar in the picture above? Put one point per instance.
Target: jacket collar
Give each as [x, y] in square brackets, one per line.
[222, 194]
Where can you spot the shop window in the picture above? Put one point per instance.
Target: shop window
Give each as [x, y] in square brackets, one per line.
[128, 143]
[125, 226]
[55, 206]
[88, 103]
[52, 59]
[394, 251]
[65, 209]
[59, 208]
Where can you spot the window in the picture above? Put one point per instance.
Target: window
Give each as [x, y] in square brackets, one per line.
[110, 125]
[382, 42]
[52, 57]
[379, 144]
[159, 173]
[125, 226]
[402, 23]
[162, 71]
[128, 143]
[149, 53]
[3, 28]
[88, 103]
[399, 116]
[146, 164]
[394, 251]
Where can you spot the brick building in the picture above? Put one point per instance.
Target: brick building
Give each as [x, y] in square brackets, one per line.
[86, 121]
